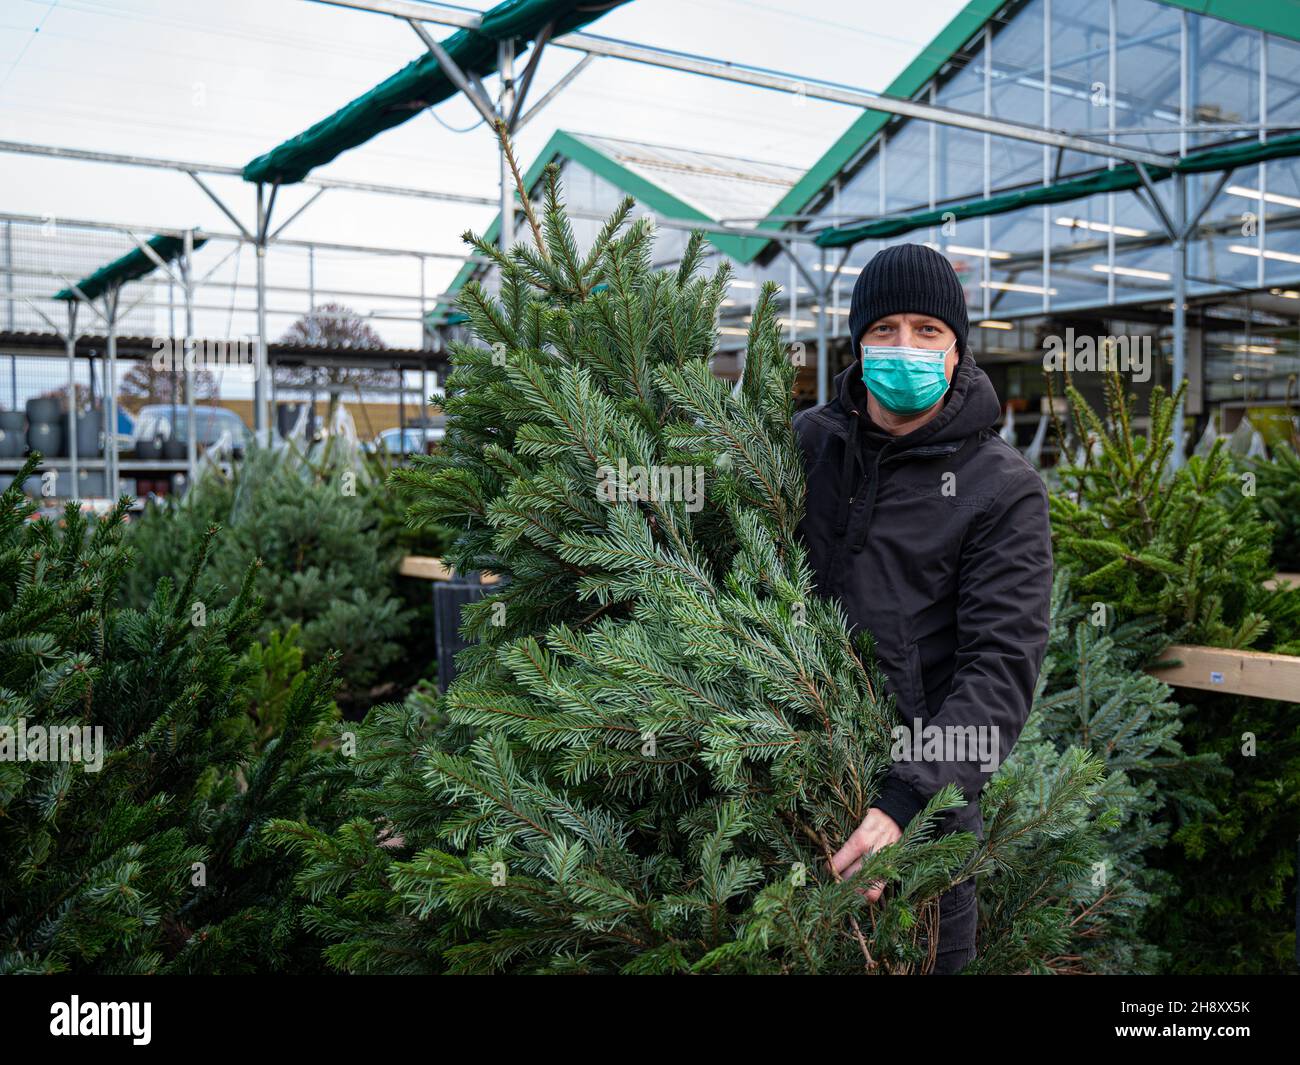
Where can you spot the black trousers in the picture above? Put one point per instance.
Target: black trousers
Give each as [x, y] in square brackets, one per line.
[958, 918]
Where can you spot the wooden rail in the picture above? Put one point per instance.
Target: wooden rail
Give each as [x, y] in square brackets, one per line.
[428, 568]
[1260, 674]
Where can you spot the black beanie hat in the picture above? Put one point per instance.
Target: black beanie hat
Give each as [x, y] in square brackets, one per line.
[909, 278]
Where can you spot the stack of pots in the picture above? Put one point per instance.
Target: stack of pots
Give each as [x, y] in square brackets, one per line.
[90, 433]
[46, 427]
[13, 434]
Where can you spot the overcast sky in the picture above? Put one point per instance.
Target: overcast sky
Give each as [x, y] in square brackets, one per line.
[222, 81]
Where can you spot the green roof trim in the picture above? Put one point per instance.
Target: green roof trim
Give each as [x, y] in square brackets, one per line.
[418, 85]
[132, 266]
[1120, 178]
[1281, 17]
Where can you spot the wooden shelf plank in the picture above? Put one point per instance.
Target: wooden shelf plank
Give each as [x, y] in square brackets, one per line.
[428, 568]
[1260, 674]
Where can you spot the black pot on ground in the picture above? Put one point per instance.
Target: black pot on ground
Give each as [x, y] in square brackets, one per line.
[448, 598]
[174, 449]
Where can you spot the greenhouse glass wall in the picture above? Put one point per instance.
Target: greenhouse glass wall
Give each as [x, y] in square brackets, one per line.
[1145, 74]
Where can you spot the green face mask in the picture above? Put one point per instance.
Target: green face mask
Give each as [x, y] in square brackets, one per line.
[905, 380]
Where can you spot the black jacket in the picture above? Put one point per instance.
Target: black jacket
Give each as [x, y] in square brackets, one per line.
[937, 543]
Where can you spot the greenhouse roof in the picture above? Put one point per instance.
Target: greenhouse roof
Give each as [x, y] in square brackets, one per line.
[1266, 15]
[1122, 177]
[133, 265]
[679, 183]
[418, 85]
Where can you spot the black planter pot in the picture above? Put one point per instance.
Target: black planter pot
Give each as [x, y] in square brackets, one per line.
[47, 438]
[13, 421]
[44, 409]
[174, 449]
[13, 442]
[448, 598]
[148, 449]
[90, 426]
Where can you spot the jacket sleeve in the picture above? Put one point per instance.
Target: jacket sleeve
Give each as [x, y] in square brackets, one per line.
[1003, 602]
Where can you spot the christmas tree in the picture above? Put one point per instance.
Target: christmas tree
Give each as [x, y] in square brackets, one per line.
[1278, 486]
[662, 734]
[327, 567]
[132, 790]
[1190, 547]
[1191, 550]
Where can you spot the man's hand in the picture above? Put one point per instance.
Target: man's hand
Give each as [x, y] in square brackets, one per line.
[877, 830]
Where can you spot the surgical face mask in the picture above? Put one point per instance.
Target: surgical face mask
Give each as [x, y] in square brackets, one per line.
[905, 380]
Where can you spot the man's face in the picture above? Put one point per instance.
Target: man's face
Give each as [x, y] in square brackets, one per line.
[914, 331]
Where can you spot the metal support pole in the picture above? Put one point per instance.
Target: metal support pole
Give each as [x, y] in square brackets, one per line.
[260, 418]
[823, 370]
[71, 339]
[187, 279]
[110, 393]
[9, 288]
[506, 106]
[1179, 247]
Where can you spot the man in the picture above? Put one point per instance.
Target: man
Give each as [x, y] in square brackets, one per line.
[932, 532]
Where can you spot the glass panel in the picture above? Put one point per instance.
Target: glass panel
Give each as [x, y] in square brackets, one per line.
[1080, 58]
[1147, 43]
[1223, 76]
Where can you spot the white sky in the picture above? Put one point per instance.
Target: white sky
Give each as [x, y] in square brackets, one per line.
[222, 81]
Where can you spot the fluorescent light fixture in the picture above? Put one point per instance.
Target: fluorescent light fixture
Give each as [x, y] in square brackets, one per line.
[1270, 197]
[831, 310]
[1285, 293]
[1130, 271]
[1255, 349]
[992, 323]
[992, 253]
[1015, 286]
[733, 331]
[1269, 253]
[852, 270]
[1102, 227]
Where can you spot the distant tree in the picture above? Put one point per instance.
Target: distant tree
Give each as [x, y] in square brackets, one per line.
[147, 384]
[333, 326]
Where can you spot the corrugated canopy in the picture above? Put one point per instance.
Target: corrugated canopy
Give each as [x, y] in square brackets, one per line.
[418, 85]
[1120, 178]
[133, 265]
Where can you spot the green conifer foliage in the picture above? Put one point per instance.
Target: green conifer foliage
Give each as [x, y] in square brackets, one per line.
[1093, 694]
[1190, 547]
[151, 861]
[326, 568]
[662, 733]
[1278, 486]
